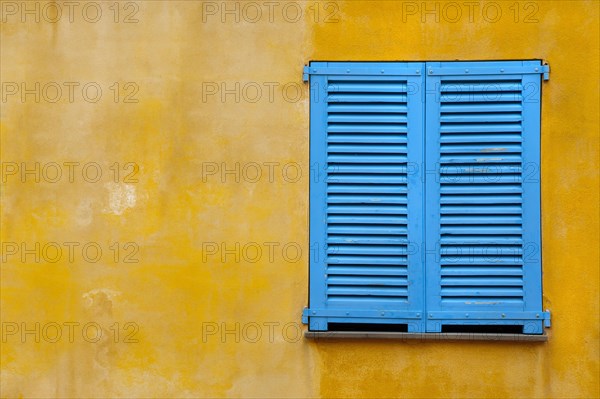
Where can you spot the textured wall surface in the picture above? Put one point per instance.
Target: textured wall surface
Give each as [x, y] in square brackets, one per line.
[203, 270]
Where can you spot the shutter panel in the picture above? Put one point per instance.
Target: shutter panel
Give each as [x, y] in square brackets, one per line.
[483, 194]
[366, 196]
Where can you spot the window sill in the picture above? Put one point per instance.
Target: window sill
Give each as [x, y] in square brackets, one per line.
[327, 335]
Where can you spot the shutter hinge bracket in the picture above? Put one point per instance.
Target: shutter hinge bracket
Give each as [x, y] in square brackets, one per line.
[305, 316]
[546, 316]
[305, 73]
[546, 71]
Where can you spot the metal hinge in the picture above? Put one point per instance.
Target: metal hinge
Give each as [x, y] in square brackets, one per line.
[546, 318]
[546, 71]
[305, 73]
[305, 316]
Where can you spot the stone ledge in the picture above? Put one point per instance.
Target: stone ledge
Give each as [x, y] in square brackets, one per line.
[326, 335]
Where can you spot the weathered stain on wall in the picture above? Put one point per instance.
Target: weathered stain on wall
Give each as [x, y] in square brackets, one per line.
[200, 210]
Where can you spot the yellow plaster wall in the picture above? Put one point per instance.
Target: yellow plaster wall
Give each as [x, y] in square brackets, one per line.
[176, 133]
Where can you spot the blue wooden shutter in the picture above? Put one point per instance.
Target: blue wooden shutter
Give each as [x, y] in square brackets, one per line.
[366, 195]
[483, 262]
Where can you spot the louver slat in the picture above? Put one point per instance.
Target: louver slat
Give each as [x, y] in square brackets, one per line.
[483, 207]
[365, 206]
